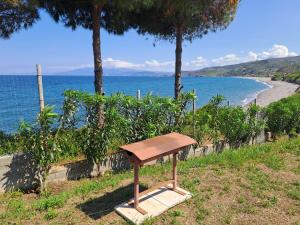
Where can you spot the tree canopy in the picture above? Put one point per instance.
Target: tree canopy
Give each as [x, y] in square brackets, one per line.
[77, 13]
[182, 20]
[195, 18]
[16, 15]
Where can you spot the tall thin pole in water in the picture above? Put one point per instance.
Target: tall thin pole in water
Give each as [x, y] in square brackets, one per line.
[40, 86]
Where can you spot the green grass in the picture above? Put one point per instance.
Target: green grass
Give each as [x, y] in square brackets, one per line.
[245, 160]
[51, 214]
[294, 191]
[275, 162]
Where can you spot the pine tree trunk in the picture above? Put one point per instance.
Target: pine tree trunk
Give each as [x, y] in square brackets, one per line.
[178, 57]
[98, 70]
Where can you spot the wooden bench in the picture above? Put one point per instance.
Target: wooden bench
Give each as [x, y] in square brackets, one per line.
[148, 150]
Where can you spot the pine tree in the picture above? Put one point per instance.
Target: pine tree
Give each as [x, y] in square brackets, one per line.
[178, 20]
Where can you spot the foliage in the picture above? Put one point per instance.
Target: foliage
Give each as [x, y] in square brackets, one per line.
[16, 15]
[42, 143]
[206, 125]
[6, 142]
[194, 18]
[11, 143]
[79, 13]
[284, 116]
[232, 123]
[181, 20]
[127, 119]
[153, 115]
[256, 122]
[292, 77]
[92, 140]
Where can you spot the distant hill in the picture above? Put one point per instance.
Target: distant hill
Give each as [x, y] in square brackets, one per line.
[261, 68]
[89, 71]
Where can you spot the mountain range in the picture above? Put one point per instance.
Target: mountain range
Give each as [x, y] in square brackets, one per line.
[261, 68]
[89, 71]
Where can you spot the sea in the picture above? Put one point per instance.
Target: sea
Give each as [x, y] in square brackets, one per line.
[19, 94]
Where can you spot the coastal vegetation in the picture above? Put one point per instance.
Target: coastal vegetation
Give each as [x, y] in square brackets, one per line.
[284, 116]
[286, 69]
[131, 119]
[235, 125]
[75, 133]
[253, 184]
[293, 77]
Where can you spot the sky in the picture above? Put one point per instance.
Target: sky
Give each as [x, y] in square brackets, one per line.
[261, 29]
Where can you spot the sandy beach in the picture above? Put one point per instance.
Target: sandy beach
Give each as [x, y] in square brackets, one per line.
[279, 90]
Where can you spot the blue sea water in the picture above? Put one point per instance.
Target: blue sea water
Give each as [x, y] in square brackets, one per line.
[19, 94]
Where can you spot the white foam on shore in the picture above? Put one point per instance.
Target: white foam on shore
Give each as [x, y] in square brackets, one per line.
[253, 96]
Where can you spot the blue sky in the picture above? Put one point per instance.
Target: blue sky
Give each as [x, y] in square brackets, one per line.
[262, 29]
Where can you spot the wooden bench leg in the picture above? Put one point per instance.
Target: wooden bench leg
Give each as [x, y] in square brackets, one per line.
[174, 188]
[174, 175]
[136, 190]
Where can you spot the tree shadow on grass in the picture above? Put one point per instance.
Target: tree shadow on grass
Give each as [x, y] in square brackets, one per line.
[99, 207]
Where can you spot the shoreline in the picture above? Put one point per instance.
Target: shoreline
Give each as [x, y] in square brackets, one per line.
[277, 90]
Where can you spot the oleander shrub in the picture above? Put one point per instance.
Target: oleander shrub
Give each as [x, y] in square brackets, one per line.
[40, 139]
[206, 120]
[17, 142]
[126, 119]
[141, 118]
[238, 126]
[233, 124]
[283, 117]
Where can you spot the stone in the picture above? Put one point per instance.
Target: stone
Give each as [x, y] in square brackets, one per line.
[154, 203]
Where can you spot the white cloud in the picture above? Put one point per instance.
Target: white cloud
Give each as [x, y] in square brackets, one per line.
[155, 63]
[293, 54]
[147, 65]
[277, 51]
[226, 60]
[198, 62]
[115, 63]
[252, 56]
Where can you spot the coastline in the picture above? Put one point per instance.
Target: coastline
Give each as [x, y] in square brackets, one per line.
[278, 90]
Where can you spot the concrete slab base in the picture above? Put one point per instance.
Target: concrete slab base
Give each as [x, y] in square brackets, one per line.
[155, 203]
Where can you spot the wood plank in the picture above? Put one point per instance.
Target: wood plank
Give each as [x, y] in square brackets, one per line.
[156, 147]
[154, 187]
[142, 211]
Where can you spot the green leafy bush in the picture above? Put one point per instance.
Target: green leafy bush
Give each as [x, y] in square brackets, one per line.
[142, 118]
[235, 125]
[206, 120]
[126, 119]
[293, 77]
[284, 116]
[42, 143]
